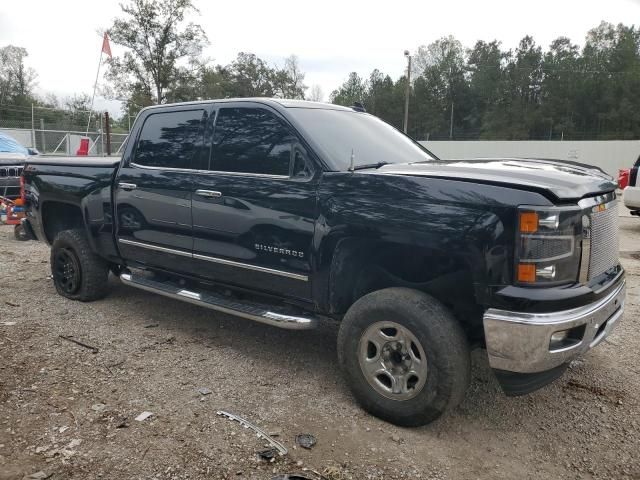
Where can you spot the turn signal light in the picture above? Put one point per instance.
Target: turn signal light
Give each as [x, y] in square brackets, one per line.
[529, 222]
[527, 272]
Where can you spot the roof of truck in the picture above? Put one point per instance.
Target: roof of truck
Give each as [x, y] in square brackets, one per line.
[287, 103]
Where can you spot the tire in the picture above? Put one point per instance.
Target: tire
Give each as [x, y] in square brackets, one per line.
[20, 234]
[78, 273]
[391, 331]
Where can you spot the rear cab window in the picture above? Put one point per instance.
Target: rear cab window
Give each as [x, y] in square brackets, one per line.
[170, 139]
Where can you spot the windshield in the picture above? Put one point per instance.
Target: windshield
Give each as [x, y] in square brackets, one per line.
[340, 132]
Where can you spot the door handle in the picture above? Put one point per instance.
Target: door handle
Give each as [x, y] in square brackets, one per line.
[208, 193]
[127, 186]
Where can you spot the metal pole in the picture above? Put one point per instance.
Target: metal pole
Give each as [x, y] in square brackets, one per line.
[42, 137]
[108, 127]
[406, 99]
[33, 129]
[451, 94]
[95, 85]
[101, 138]
[451, 124]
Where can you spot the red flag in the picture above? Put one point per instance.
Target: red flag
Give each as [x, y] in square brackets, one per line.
[106, 48]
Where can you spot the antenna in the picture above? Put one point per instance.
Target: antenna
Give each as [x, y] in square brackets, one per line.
[352, 163]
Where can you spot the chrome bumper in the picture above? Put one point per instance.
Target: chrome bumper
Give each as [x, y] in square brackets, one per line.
[520, 342]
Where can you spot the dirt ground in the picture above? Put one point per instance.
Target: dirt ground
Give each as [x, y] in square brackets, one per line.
[67, 412]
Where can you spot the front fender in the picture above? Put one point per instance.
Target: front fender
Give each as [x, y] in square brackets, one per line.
[472, 223]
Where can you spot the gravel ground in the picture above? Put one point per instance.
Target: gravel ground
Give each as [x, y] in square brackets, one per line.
[67, 412]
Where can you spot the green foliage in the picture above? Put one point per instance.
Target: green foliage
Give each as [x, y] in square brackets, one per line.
[514, 95]
[161, 51]
[483, 92]
[16, 79]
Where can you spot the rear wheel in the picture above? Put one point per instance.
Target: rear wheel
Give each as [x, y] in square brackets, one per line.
[78, 273]
[404, 355]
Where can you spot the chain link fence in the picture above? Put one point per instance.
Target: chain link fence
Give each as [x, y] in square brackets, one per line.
[54, 131]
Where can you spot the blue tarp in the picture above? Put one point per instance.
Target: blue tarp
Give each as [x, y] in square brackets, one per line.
[9, 145]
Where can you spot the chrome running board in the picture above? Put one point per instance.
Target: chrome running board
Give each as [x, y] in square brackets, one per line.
[270, 315]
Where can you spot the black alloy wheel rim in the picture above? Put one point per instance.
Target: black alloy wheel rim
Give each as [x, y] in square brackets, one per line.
[66, 271]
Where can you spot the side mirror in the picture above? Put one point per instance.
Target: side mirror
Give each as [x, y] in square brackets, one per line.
[33, 151]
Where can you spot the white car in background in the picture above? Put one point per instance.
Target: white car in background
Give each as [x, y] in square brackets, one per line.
[631, 194]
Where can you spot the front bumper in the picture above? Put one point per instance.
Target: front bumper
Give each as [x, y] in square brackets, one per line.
[521, 342]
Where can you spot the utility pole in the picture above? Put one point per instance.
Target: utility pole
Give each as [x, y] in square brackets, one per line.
[451, 95]
[408, 91]
[451, 123]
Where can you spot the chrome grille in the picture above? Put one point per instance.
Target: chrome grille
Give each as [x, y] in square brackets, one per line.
[604, 239]
[11, 171]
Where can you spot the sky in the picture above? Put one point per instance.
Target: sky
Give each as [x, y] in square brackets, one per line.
[331, 38]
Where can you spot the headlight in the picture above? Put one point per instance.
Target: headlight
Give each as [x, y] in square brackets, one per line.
[548, 245]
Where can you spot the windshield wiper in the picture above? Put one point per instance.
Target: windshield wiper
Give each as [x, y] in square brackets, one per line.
[367, 165]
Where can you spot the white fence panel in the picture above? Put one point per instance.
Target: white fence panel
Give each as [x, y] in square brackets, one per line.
[24, 137]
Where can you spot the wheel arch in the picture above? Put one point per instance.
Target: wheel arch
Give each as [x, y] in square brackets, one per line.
[362, 265]
[58, 216]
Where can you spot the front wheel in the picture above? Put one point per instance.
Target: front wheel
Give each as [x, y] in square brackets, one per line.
[78, 273]
[404, 355]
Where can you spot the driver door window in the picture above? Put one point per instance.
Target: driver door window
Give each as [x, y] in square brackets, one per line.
[255, 141]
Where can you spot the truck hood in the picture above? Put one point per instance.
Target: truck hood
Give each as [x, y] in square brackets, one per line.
[563, 179]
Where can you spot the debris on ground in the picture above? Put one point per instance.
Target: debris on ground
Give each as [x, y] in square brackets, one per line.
[143, 416]
[98, 407]
[39, 475]
[204, 391]
[306, 440]
[70, 338]
[152, 325]
[268, 454]
[122, 423]
[11, 304]
[292, 476]
[282, 450]
[8, 324]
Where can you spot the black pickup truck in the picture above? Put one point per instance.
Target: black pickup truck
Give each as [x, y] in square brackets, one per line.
[290, 213]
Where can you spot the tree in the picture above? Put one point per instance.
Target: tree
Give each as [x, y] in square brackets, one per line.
[250, 77]
[445, 90]
[487, 78]
[560, 86]
[351, 91]
[16, 79]
[289, 81]
[316, 94]
[161, 49]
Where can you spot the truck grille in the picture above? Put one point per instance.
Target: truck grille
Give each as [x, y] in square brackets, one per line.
[10, 171]
[604, 240]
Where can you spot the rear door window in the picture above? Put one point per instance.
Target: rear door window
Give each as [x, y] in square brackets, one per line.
[170, 139]
[253, 140]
